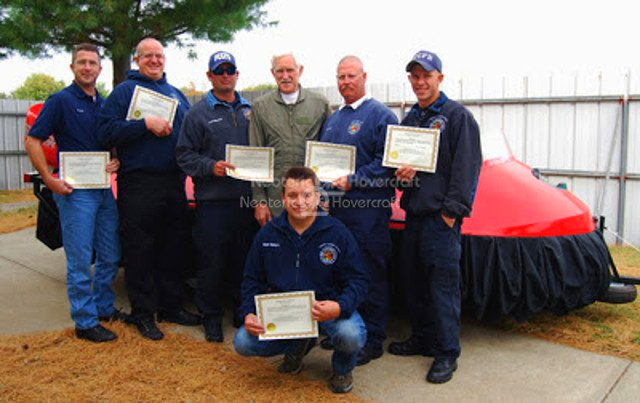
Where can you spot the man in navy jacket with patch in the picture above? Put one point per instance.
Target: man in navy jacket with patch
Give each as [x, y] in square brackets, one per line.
[151, 198]
[362, 201]
[436, 204]
[225, 223]
[304, 249]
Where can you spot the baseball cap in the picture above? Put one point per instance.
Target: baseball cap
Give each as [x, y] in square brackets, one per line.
[429, 60]
[219, 58]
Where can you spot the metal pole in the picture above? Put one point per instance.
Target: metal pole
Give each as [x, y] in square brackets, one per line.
[624, 141]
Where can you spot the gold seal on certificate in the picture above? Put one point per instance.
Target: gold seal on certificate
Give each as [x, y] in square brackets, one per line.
[330, 161]
[146, 102]
[252, 163]
[286, 315]
[85, 170]
[413, 146]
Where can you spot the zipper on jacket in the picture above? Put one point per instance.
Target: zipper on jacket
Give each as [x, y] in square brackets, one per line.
[297, 267]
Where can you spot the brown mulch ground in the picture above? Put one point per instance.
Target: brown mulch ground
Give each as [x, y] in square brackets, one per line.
[55, 366]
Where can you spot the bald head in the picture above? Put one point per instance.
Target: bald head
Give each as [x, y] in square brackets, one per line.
[150, 58]
[351, 79]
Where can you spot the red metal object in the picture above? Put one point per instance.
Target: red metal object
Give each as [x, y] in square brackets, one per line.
[511, 202]
[49, 146]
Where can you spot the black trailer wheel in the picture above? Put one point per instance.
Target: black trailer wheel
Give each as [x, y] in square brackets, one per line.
[619, 293]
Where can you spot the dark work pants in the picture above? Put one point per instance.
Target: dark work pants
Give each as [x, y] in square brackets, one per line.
[154, 233]
[370, 228]
[431, 280]
[222, 234]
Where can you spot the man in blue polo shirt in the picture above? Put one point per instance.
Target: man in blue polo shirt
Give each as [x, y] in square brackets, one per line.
[88, 217]
[364, 201]
[225, 225]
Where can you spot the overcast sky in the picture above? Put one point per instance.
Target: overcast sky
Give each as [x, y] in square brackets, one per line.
[491, 38]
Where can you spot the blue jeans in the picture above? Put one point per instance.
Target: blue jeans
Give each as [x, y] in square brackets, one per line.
[347, 335]
[89, 221]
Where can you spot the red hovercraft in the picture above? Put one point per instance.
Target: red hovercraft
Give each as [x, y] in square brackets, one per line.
[528, 246]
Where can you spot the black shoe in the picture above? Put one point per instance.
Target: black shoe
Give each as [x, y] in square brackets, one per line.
[213, 330]
[181, 317]
[147, 328]
[341, 383]
[326, 344]
[292, 363]
[97, 334]
[367, 354]
[411, 346]
[117, 315]
[441, 371]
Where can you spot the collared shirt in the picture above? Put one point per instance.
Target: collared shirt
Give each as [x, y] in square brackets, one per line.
[71, 116]
[356, 104]
[290, 99]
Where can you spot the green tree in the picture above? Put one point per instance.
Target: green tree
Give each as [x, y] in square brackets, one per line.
[38, 87]
[36, 28]
[102, 89]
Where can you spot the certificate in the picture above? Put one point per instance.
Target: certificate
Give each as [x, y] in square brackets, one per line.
[330, 161]
[145, 102]
[413, 146]
[286, 315]
[85, 170]
[252, 163]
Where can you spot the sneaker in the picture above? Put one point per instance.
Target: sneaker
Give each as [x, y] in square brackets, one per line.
[341, 383]
[117, 315]
[213, 330]
[292, 363]
[96, 334]
[411, 346]
[181, 317]
[148, 329]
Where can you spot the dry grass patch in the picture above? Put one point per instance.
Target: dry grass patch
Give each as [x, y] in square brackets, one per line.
[17, 196]
[55, 366]
[15, 220]
[602, 328]
[12, 221]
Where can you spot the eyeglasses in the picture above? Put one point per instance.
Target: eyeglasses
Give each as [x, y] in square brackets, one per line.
[231, 70]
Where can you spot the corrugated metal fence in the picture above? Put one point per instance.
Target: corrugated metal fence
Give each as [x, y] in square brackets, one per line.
[556, 124]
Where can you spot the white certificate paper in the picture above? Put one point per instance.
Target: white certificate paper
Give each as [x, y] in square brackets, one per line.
[286, 315]
[330, 161]
[145, 102]
[413, 146]
[85, 170]
[252, 163]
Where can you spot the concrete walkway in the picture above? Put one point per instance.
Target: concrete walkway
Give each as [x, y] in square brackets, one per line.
[495, 366]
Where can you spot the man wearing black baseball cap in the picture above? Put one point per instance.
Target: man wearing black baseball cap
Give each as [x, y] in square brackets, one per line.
[436, 204]
[224, 226]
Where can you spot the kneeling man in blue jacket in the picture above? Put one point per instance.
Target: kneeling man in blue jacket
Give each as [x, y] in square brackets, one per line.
[305, 249]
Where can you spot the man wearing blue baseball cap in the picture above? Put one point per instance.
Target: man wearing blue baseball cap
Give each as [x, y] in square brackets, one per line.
[436, 204]
[224, 226]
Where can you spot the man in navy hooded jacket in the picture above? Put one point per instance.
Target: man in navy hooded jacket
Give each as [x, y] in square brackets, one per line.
[151, 199]
[304, 249]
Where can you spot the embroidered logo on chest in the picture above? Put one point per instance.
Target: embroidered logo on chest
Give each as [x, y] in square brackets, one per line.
[437, 122]
[328, 253]
[354, 127]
